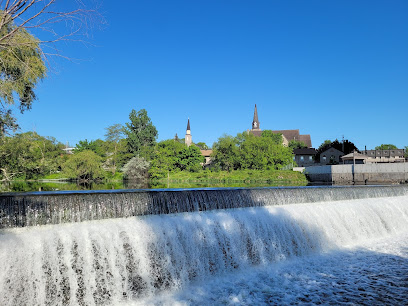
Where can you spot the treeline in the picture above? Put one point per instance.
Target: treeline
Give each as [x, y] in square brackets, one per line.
[132, 152]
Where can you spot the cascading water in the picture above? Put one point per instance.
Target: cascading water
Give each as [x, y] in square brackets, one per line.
[126, 259]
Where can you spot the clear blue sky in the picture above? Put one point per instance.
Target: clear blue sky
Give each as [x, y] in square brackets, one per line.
[328, 68]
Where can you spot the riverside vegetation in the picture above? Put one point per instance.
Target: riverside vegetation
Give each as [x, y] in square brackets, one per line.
[131, 152]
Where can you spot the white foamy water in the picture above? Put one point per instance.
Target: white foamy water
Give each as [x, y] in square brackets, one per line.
[312, 253]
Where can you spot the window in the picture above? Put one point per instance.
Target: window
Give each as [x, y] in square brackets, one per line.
[324, 158]
[293, 158]
[310, 158]
[301, 157]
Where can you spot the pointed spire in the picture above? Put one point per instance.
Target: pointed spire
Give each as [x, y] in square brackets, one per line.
[255, 122]
[188, 124]
[188, 140]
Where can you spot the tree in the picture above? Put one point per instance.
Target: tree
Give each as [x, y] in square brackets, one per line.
[386, 147]
[136, 169]
[29, 155]
[113, 136]
[21, 68]
[246, 151]
[84, 166]
[23, 56]
[141, 134]
[225, 153]
[45, 17]
[296, 144]
[171, 155]
[201, 145]
[276, 137]
[97, 146]
[406, 151]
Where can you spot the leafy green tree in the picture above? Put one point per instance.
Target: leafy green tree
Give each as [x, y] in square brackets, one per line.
[325, 145]
[296, 144]
[190, 159]
[84, 166]
[21, 68]
[97, 146]
[263, 153]
[136, 169]
[386, 147]
[29, 155]
[141, 134]
[246, 151]
[225, 154]
[114, 135]
[171, 155]
[201, 145]
[276, 137]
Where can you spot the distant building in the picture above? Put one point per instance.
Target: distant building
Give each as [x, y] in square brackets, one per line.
[304, 157]
[385, 156]
[375, 156]
[354, 158]
[287, 135]
[330, 156]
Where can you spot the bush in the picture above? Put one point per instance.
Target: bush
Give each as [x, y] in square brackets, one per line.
[84, 166]
[136, 169]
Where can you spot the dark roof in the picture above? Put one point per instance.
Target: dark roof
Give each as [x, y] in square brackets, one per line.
[188, 124]
[331, 148]
[289, 134]
[305, 151]
[306, 139]
[294, 135]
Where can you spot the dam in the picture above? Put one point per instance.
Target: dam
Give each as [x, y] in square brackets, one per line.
[165, 247]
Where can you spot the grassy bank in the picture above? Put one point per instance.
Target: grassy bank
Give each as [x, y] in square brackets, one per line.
[246, 176]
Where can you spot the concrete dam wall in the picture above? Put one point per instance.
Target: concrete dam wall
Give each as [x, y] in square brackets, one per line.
[359, 174]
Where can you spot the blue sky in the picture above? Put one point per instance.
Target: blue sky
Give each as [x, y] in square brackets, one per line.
[328, 68]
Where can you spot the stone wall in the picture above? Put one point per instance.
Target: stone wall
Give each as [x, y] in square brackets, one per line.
[359, 174]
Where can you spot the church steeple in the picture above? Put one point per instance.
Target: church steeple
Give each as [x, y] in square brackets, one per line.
[188, 139]
[255, 122]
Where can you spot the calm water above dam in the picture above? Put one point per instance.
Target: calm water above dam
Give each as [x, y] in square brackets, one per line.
[265, 246]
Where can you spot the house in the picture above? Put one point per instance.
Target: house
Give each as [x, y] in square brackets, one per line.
[287, 135]
[385, 156]
[330, 156]
[354, 158]
[304, 157]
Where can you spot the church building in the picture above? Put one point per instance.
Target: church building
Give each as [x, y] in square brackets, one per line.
[287, 135]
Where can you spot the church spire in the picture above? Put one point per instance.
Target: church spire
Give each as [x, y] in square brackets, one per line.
[255, 122]
[188, 139]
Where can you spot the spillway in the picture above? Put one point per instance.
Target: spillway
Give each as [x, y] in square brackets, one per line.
[200, 235]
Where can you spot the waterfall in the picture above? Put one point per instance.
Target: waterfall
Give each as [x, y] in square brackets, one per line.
[41, 208]
[115, 260]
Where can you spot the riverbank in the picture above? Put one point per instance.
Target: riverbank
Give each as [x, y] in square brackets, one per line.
[245, 176]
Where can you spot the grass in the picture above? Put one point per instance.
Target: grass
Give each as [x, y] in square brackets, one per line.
[246, 176]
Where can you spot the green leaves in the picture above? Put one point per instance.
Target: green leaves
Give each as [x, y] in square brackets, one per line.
[84, 166]
[171, 155]
[21, 68]
[141, 134]
[246, 151]
[29, 155]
